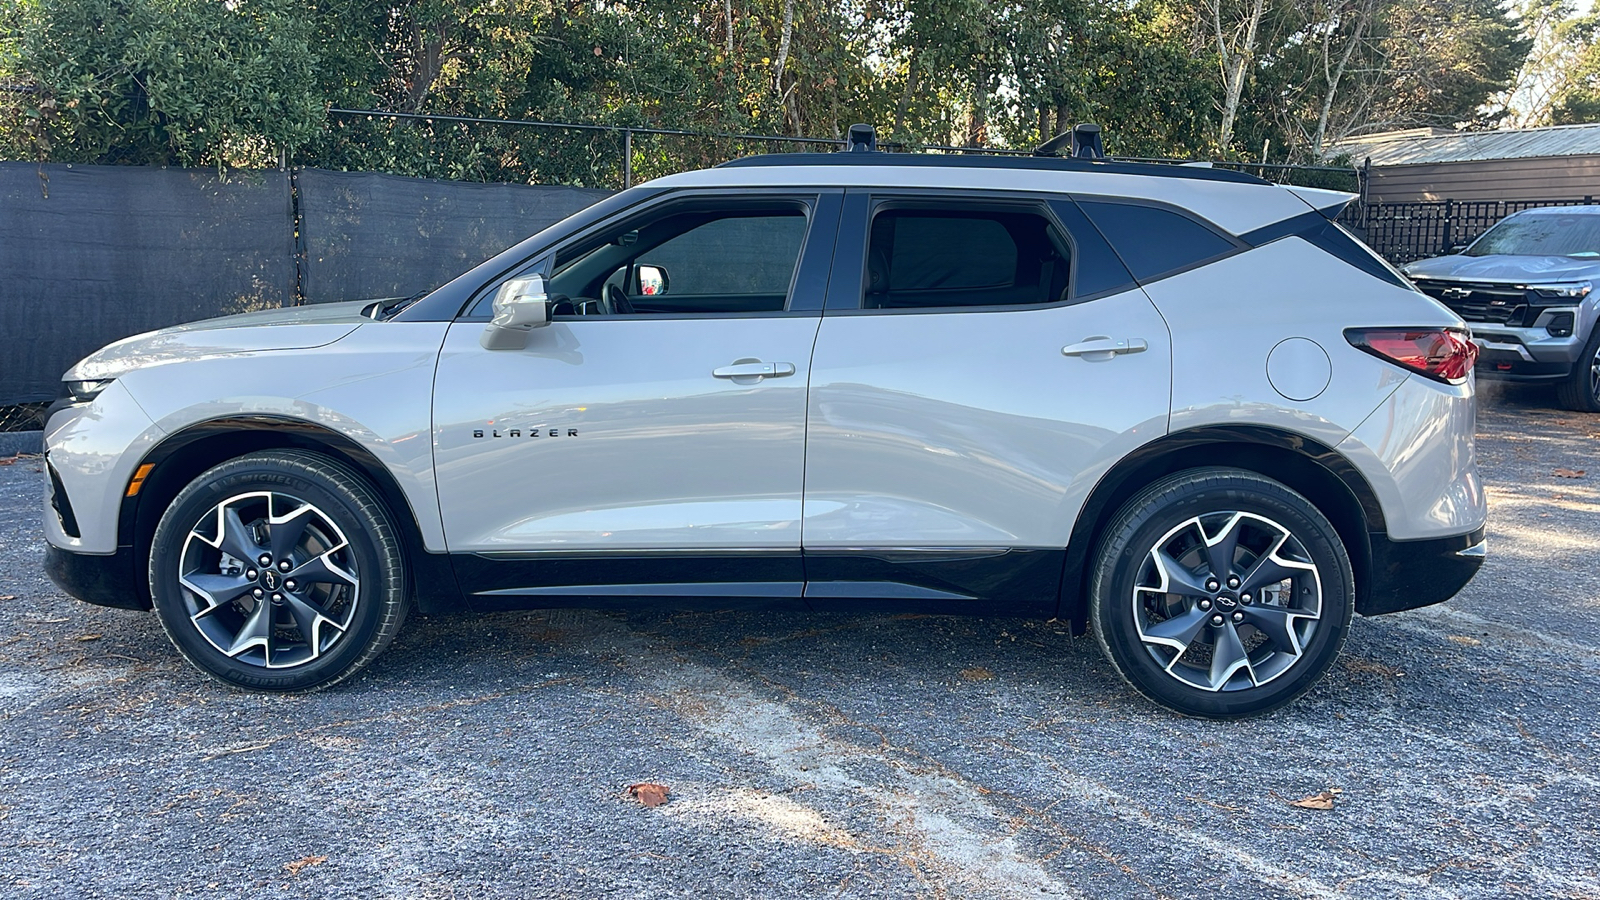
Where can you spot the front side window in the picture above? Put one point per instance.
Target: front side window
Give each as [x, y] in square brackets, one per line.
[684, 261]
[920, 258]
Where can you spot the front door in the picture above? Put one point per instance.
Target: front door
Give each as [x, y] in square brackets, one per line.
[662, 409]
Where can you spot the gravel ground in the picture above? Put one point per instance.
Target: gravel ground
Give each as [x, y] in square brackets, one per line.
[816, 756]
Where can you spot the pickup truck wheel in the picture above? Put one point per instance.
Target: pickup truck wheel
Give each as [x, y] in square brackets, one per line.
[1221, 593]
[278, 571]
[1581, 390]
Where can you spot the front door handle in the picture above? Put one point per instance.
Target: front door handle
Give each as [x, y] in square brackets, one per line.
[754, 369]
[1100, 347]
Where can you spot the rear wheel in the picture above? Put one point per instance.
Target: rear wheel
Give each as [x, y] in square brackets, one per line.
[278, 571]
[1581, 390]
[1221, 593]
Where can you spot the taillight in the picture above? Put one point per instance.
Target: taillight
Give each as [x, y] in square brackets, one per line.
[1442, 354]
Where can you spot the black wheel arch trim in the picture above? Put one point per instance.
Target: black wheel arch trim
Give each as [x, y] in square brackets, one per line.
[1326, 477]
[185, 454]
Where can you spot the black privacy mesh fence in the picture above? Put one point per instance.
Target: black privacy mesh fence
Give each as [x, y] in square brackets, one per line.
[91, 254]
[371, 235]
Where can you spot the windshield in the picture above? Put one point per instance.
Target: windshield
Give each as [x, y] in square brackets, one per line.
[1547, 234]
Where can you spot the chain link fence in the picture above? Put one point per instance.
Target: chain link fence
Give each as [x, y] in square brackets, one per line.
[22, 417]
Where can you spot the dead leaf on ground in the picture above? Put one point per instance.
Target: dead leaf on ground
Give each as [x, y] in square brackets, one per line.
[304, 862]
[649, 793]
[94, 636]
[11, 597]
[1569, 473]
[9, 460]
[1323, 800]
[977, 673]
[1463, 640]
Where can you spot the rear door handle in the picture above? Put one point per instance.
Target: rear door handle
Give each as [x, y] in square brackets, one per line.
[754, 369]
[1099, 347]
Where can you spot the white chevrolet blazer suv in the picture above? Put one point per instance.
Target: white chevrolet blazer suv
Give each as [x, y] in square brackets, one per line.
[1178, 407]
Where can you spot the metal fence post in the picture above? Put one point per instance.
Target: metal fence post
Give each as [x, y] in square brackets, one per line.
[627, 158]
[1449, 218]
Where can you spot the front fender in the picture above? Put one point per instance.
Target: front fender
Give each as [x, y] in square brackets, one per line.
[372, 389]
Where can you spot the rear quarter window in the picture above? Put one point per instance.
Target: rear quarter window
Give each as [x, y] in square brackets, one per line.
[1153, 241]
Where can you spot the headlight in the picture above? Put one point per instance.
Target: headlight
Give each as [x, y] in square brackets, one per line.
[84, 391]
[1573, 291]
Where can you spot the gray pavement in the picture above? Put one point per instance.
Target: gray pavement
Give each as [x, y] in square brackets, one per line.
[824, 756]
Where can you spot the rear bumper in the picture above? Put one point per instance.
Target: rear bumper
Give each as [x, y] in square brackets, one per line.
[1410, 574]
[112, 580]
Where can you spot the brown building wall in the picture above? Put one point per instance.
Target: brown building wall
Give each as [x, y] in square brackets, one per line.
[1535, 178]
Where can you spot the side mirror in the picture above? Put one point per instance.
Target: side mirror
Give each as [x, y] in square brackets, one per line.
[652, 280]
[520, 305]
[1459, 248]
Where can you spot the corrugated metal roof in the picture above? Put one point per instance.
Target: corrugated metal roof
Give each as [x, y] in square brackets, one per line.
[1419, 146]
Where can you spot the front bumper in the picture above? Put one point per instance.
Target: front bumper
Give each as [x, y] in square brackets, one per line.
[1525, 354]
[113, 580]
[1409, 574]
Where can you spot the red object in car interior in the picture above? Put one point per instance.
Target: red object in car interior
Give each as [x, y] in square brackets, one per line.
[1439, 353]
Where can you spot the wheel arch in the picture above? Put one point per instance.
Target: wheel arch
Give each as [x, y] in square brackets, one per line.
[183, 455]
[1318, 472]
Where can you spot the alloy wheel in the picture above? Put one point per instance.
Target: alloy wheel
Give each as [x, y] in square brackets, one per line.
[1227, 601]
[269, 580]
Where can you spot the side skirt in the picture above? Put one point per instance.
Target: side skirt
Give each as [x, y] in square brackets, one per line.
[993, 581]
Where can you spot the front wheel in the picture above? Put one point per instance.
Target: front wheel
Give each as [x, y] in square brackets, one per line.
[1221, 593]
[278, 571]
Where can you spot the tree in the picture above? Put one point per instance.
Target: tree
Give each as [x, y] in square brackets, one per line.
[159, 82]
[1446, 60]
[1543, 74]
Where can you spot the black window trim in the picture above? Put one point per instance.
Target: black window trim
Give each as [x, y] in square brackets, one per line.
[812, 199]
[1036, 202]
[1325, 233]
[1237, 246]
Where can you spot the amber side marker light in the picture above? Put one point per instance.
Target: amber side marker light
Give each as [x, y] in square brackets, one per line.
[139, 475]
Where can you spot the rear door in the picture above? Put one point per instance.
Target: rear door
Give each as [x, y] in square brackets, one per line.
[982, 361]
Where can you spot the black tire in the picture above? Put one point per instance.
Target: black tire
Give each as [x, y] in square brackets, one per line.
[1580, 391]
[257, 627]
[1169, 645]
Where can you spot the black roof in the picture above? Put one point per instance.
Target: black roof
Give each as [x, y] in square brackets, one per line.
[975, 161]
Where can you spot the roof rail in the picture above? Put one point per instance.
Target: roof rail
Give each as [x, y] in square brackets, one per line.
[973, 161]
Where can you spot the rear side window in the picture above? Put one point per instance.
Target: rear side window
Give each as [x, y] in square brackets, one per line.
[941, 251]
[919, 258]
[1155, 241]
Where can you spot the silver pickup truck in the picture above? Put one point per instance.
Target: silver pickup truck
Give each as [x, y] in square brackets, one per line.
[1526, 289]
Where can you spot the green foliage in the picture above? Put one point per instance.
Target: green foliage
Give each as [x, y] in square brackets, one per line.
[1454, 56]
[1576, 97]
[159, 82]
[238, 81]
